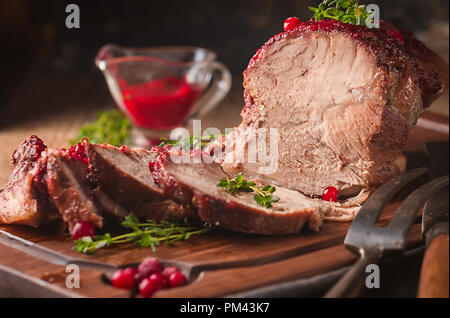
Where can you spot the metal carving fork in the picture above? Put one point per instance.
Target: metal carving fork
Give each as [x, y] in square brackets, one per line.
[372, 242]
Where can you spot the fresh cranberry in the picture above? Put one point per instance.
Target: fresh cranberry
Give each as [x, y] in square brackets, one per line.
[177, 279]
[124, 278]
[125, 149]
[149, 266]
[161, 280]
[330, 194]
[148, 287]
[396, 35]
[169, 271]
[291, 23]
[82, 229]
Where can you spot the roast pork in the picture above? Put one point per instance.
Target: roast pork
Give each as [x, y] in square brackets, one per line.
[343, 99]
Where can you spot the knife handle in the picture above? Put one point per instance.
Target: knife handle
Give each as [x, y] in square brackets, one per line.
[435, 267]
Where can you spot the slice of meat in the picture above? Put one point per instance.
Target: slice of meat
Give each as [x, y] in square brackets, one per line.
[342, 99]
[25, 199]
[124, 177]
[154, 210]
[195, 185]
[69, 188]
[123, 172]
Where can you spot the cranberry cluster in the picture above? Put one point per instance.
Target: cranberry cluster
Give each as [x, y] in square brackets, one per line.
[38, 144]
[156, 164]
[149, 277]
[78, 152]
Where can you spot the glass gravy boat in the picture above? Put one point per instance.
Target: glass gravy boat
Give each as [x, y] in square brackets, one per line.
[162, 88]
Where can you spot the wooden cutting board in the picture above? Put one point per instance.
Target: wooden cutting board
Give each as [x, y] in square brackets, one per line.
[220, 262]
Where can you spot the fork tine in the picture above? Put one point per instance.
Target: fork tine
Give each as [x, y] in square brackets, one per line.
[363, 233]
[404, 217]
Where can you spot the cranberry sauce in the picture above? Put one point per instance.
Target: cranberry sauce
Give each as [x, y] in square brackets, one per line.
[78, 152]
[159, 104]
[155, 164]
[358, 32]
[32, 150]
[39, 144]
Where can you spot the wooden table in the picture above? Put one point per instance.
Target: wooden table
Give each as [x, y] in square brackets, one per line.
[222, 263]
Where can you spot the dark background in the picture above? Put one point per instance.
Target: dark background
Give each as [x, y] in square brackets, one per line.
[34, 38]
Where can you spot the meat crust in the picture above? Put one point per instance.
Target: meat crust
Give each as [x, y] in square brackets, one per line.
[25, 199]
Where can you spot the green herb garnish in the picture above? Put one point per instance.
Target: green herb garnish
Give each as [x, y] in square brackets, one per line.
[263, 196]
[147, 234]
[346, 11]
[237, 184]
[194, 142]
[110, 127]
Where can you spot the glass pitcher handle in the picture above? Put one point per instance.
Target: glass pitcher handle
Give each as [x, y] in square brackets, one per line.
[218, 89]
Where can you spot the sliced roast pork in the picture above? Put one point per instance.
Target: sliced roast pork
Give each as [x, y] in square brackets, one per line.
[343, 99]
[93, 183]
[25, 199]
[124, 176]
[123, 172]
[70, 189]
[195, 185]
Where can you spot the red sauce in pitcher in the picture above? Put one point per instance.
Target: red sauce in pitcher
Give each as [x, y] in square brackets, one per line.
[161, 103]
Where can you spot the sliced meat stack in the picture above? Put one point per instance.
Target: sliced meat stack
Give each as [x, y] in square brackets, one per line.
[83, 183]
[123, 174]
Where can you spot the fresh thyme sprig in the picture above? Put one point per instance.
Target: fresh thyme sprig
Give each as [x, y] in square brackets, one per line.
[193, 142]
[147, 234]
[237, 184]
[110, 127]
[346, 11]
[263, 196]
